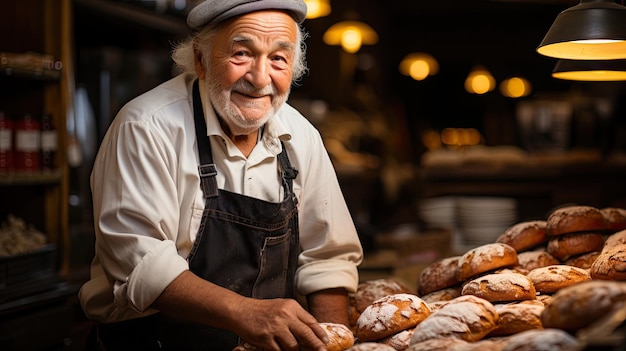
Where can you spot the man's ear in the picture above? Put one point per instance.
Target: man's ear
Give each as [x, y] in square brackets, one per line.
[200, 70]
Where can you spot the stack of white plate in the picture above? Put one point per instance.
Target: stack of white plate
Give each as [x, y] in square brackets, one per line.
[482, 219]
[438, 212]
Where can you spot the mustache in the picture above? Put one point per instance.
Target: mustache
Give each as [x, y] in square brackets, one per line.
[244, 87]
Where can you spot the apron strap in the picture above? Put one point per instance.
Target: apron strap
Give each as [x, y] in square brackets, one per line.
[206, 169]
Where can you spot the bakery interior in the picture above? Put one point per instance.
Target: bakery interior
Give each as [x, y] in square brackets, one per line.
[429, 169]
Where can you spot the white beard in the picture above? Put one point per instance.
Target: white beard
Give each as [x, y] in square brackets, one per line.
[230, 113]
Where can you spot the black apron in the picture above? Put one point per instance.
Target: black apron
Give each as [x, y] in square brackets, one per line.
[244, 244]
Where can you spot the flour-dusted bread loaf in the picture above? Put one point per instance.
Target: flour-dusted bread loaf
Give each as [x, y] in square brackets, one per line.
[573, 219]
[517, 317]
[610, 264]
[615, 239]
[467, 317]
[550, 279]
[340, 337]
[438, 275]
[399, 341]
[565, 246]
[371, 290]
[542, 339]
[485, 258]
[578, 306]
[530, 260]
[499, 287]
[389, 315]
[524, 235]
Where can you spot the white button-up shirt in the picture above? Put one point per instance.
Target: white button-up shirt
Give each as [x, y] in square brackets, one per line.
[148, 202]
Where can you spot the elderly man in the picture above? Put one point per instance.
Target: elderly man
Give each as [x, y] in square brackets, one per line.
[215, 202]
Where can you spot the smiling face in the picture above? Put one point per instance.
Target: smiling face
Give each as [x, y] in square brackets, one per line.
[249, 71]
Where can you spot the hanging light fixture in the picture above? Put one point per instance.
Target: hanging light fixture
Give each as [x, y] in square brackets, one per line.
[479, 81]
[317, 8]
[590, 70]
[419, 65]
[351, 35]
[591, 30]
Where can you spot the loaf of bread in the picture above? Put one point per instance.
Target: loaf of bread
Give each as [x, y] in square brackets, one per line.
[610, 264]
[340, 337]
[446, 294]
[485, 258]
[550, 279]
[467, 317]
[530, 260]
[565, 246]
[517, 317]
[579, 305]
[370, 346]
[573, 219]
[438, 275]
[439, 344]
[389, 315]
[615, 239]
[524, 235]
[615, 218]
[583, 261]
[399, 341]
[542, 339]
[499, 287]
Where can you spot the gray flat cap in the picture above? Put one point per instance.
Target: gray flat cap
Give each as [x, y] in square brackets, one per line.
[214, 11]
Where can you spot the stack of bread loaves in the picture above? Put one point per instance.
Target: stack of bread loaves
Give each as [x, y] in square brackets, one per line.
[542, 285]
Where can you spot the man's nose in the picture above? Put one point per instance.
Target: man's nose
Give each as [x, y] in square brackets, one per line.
[259, 73]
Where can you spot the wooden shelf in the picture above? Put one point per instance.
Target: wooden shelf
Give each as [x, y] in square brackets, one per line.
[53, 177]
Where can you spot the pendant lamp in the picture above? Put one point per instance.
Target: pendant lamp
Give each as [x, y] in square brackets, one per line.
[590, 70]
[351, 35]
[591, 30]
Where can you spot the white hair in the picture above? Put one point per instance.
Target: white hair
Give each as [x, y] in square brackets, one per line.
[184, 59]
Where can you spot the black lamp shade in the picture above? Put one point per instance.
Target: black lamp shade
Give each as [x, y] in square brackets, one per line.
[591, 30]
[590, 70]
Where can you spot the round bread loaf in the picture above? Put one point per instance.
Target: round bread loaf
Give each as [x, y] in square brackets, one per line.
[565, 246]
[615, 239]
[438, 275]
[389, 315]
[579, 305]
[517, 317]
[371, 290]
[340, 337]
[615, 218]
[530, 260]
[446, 294]
[573, 219]
[550, 279]
[370, 346]
[544, 298]
[542, 339]
[499, 287]
[583, 261]
[485, 258]
[467, 317]
[524, 235]
[439, 344]
[610, 264]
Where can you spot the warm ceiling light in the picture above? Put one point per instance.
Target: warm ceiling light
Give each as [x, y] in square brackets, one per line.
[479, 81]
[589, 70]
[591, 30]
[317, 8]
[419, 65]
[515, 87]
[350, 35]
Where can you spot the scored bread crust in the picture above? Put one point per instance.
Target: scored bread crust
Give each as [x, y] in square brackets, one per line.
[371, 290]
[517, 317]
[438, 275]
[564, 246]
[573, 219]
[340, 337]
[500, 287]
[524, 235]
[615, 218]
[530, 260]
[485, 258]
[550, 279]
[389, 315]
[610, 264]
[467, 317]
